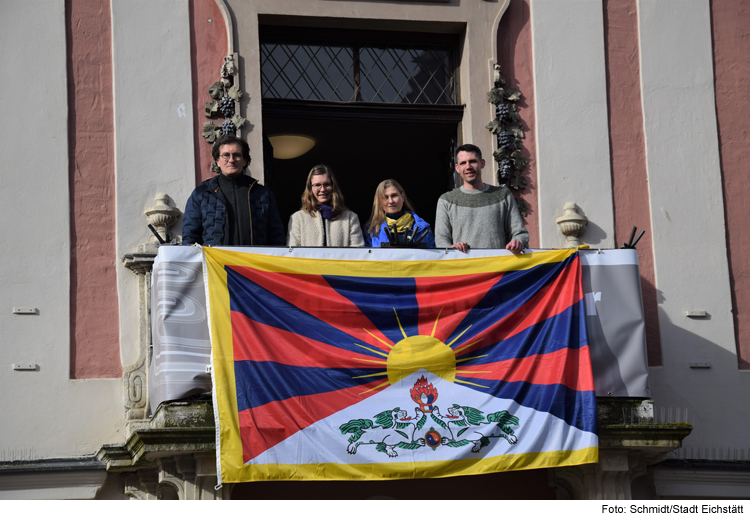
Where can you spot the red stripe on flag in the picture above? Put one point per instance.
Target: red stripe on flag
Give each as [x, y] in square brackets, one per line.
[256, 341]
[263, 427]
[551, 300]
[315, 296]
[569, 367]
[458, 294]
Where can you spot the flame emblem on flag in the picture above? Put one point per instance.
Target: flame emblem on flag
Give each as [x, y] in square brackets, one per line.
[424, 394]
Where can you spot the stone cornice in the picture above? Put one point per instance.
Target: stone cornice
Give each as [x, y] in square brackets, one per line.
[139, 263]
[658, 438]
[51, 464]
[175, 428]
[70, 478]
[701, 482]
[628, 423]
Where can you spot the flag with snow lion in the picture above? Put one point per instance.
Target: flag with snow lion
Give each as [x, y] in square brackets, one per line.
[350, 370]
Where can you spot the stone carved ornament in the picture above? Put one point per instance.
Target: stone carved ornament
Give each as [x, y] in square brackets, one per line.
[225, 96]
[508, 128]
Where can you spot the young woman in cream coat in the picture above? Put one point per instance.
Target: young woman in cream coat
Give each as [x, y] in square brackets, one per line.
[324, 221]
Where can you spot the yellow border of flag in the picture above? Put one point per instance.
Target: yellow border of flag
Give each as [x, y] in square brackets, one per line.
[229, 448]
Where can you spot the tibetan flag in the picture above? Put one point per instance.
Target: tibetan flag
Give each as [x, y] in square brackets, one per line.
[378, 368]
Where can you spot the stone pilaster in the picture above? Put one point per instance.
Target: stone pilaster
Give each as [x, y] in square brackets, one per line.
[141, 261]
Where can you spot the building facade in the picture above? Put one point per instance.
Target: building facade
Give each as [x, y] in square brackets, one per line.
[633, 110]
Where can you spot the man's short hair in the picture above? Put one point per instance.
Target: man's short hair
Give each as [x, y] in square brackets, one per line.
[230, 140]
[469, 148]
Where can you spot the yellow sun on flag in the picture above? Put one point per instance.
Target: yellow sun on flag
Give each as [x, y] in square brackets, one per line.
[420, 352]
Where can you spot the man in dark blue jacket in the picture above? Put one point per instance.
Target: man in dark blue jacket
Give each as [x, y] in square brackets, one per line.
[232, 209]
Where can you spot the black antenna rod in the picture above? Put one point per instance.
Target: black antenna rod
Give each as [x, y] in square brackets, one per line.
[632, 234]
[639, 237]
[156, 234]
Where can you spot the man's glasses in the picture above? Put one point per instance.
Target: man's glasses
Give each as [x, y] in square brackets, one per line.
[227, 157]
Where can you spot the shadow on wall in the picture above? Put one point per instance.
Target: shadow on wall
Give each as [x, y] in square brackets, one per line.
[703, 387]
[593, 234]
[176, 229]
[651, 313]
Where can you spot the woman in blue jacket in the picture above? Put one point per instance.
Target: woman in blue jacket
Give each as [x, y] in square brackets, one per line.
[392, 210]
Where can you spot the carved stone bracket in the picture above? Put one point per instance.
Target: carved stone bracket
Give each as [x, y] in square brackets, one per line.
[572, 224]
[170, 456]
[608, 480]
[135, 387]
[142, 485]
[139, 263]
[174, 427]
[179, 477]
[629, 441]
[192, 477]
[135, 376]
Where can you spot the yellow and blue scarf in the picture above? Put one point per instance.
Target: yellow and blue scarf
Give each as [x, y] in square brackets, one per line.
[401, 224]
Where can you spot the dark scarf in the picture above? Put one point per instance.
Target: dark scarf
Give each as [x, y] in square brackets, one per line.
[326, 211]
[396, 216]
[238, 227]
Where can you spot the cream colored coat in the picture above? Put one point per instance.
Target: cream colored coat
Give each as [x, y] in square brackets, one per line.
[305, 230]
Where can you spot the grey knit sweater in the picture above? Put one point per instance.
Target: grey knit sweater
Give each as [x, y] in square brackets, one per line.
[485, 219]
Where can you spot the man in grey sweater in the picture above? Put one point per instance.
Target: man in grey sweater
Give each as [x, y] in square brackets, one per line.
[478, 215]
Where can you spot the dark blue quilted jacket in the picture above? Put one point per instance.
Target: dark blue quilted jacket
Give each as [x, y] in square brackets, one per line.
[205, 216]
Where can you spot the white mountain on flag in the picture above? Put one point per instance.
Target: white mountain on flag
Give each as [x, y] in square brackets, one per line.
[400, 425]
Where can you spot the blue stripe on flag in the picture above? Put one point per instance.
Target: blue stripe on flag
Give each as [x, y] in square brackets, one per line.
[509, 294]
[261, 382]
[576, 408]
[262, 306]
[564, 330]
[377, 298]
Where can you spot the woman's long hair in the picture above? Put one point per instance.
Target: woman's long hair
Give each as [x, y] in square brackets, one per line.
[378, 214]
[310, 203]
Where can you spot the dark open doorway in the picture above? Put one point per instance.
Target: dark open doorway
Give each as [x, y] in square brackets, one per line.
[378, 105]
[363, 152]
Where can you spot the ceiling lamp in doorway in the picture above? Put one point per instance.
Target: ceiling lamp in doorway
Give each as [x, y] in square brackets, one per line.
[290, 146]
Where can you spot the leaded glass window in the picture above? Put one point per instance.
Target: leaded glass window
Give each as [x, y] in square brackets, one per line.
[349, 71]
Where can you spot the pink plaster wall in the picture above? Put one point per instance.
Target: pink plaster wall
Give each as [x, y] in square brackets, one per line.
[208, 41]
[94, 324]
[628, 154]
[515, 58]
[731, 41]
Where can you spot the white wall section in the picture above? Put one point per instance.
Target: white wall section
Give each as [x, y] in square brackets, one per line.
[44, 414]
[573, 161]
[687, 218]
[153, 130]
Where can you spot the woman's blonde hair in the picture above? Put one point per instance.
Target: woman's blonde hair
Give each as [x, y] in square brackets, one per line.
[310, 203]
[378, 214]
